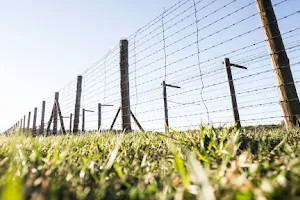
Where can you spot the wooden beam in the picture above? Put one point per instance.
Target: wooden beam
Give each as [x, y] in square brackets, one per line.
[34, 122]
[77, 104]
[55, 114]
[288, 97]
[166, 115]
[43, 118]
[124, 83]
[137, 122]
[235, 109]
[114, 121]
[61, 119]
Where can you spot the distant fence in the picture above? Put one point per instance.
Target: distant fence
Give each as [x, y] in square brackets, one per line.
[172, 72]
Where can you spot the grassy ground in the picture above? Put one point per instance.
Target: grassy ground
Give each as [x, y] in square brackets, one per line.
[205, 164]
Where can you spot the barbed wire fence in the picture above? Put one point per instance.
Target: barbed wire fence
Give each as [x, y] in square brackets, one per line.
[171, 73]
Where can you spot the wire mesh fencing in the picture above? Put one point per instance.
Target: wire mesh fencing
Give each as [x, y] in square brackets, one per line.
[185, 47]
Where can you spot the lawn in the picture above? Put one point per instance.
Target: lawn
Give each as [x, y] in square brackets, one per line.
[253, 163]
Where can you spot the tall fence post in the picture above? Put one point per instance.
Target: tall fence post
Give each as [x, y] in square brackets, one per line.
[55, 113]
[77, 104]
[99, 116]
[21, 124]
[124, 82]
[34, 122]
[28, 122]
[43, 118]
[70, 128]
[235, 110]
[280, 63]
[83, 119]
[24, 121]
[165, 107]
[166, 104]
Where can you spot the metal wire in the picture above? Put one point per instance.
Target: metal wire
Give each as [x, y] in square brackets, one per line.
[185, 46]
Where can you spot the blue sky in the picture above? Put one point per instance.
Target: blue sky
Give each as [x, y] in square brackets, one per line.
[45, 45]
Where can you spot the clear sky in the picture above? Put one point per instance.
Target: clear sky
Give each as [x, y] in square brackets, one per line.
[46, 44]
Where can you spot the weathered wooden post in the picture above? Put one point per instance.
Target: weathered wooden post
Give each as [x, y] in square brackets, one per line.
[100, 113]
[235, 109]
[34, 122]
[124, 83]
[99, 116]
[55, 114]
[77, 104]
[83, 119]
[54, 117]
[288, 97]
[43, 118]
[137, 122]
[21, 124]
[70, 128]
[61, 118]
[28, 122]
[166, 103]
[115, 119]
[166, 117]
[24, 121]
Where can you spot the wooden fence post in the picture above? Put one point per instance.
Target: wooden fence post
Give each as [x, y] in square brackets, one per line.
[235, 110]
[99, 116]
[100, 113]
[55, 113]
[77, 104]
[165, 106]
[21, 124]
[34, 122]
[124, 83]
[43, 118]
[24, 121]
[70, 128]
[28, 122]
[83, 119]
[280, 63]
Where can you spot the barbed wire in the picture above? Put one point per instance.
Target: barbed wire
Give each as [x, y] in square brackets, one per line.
[185, 46]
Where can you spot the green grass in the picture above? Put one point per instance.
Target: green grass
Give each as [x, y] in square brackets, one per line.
[205, 164]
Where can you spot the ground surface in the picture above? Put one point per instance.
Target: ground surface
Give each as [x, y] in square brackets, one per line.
[206, 164]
